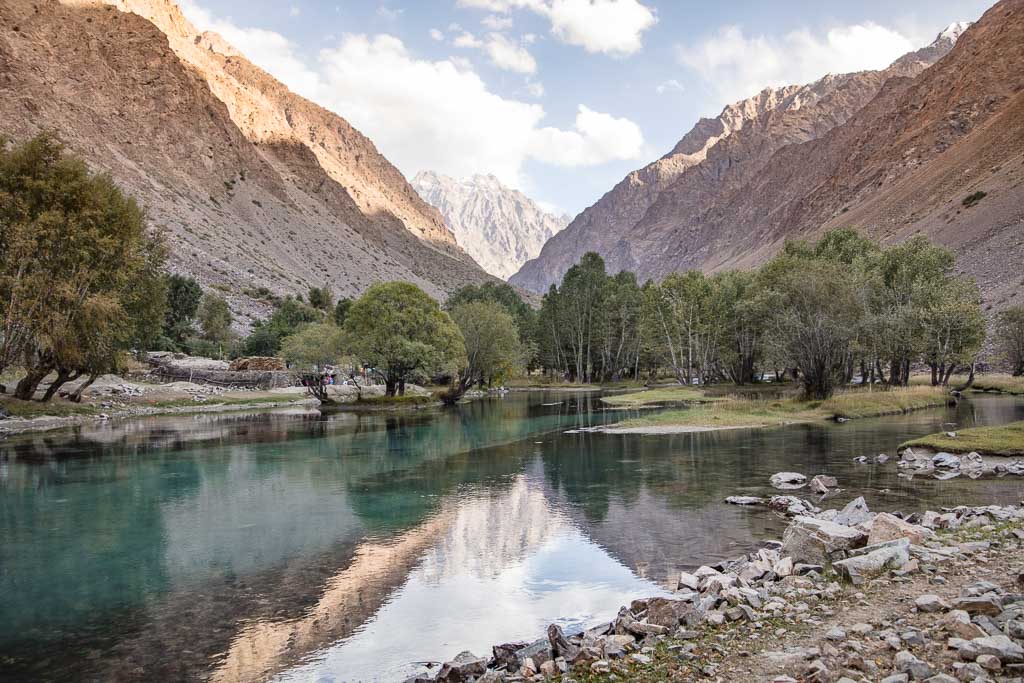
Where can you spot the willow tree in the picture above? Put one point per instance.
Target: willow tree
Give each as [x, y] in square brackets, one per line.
[399, 332]
[71, 245]
[493, 348]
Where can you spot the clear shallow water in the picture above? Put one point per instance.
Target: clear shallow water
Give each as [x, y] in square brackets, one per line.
[301, 547]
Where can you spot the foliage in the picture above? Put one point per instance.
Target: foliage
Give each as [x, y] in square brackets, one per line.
[1009, 338]
[341, 311]
[493, 349]
[289, 316]
[503, 294]
[396, 329]
[183, 296]
[214, 318]
[321, 298]
[76, 264]
[314, 346]
[973, 198]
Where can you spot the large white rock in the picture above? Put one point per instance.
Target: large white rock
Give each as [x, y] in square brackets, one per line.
[874, 560]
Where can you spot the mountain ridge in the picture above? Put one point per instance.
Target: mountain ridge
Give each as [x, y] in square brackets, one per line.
[729, 151]
[501, 228]
[245, 208]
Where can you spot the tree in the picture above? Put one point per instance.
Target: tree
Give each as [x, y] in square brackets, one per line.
[1009, 338]
[73, 251]
[815, 326]
[504, 294]
[341, 311]
[396, 329]
[183, 296]
[289, 316]
[493, 348]
[954, 328]
[321, 298]
[315, 345]
[678, 314]
[215, 318]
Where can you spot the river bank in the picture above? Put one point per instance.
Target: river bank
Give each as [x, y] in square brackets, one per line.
[705, 412]
[114, 398]
[847, 595]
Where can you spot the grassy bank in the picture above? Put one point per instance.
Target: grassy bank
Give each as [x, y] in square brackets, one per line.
[55, 408]
[850, 404]
[1004, 440]
[1002, 384]
[659, 396]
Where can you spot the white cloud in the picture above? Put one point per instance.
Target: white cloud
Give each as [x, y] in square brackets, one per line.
[467, 40]
[503, 52]
[535, 89]
[497, 23]
[596, 138]
[507, 55]
[670, 84]
[736, 66]
[424, 114]
[613, 27]
[436, 34]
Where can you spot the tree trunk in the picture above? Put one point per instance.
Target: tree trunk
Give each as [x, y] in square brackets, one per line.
[401, 387]
[76, 397]
[63, 377]
[390, 386]
[26, 388]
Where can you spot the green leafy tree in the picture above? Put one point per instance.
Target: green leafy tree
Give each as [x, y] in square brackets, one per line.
[954, 328]
[314, 346]
[183, 296]
[215, 318]
[493, 348]
[1009, 338]
[341, 311]
[396, 329]
[321, 298]
[289, 316]
[73, 248]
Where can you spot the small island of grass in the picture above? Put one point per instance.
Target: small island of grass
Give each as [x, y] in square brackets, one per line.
[659, 396]
[736, 413]
[1005, 440]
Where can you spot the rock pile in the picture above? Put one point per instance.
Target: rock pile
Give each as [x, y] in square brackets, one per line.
[947, 465]
[974, 636]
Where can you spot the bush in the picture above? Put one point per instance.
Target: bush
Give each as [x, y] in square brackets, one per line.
[972, 199]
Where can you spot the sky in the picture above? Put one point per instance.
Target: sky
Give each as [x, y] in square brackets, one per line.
[558, 98]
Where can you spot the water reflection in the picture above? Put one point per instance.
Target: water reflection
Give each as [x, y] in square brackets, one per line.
[251, 546]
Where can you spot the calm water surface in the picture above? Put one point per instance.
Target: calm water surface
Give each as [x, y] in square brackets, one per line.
[308, 547]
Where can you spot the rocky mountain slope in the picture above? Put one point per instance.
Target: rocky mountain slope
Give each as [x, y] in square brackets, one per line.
[819, 156]
[499, 227]
[255, 186]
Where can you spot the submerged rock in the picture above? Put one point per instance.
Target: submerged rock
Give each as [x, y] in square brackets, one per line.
[822, 483]
[744, 500]
[788, 480]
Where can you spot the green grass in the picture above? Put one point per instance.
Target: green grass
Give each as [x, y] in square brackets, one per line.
[1004, 440]
[225, 401]
[658, 396]
[850, 404]
[407, 400]
[55, 408]
[1003, 384]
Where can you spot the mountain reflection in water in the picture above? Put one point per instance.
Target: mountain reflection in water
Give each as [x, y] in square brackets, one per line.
[350, 547]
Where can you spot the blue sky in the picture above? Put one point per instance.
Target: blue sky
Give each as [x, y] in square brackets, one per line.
[560, 98]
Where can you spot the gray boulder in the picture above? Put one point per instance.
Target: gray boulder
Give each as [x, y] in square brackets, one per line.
[874, 560]
[788, 480]
[817, 541]
[855, 512]
[465, 667]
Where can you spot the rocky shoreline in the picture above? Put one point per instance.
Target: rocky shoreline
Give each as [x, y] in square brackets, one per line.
[847, 595]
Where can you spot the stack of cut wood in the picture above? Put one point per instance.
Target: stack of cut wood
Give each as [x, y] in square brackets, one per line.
[257, 364]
